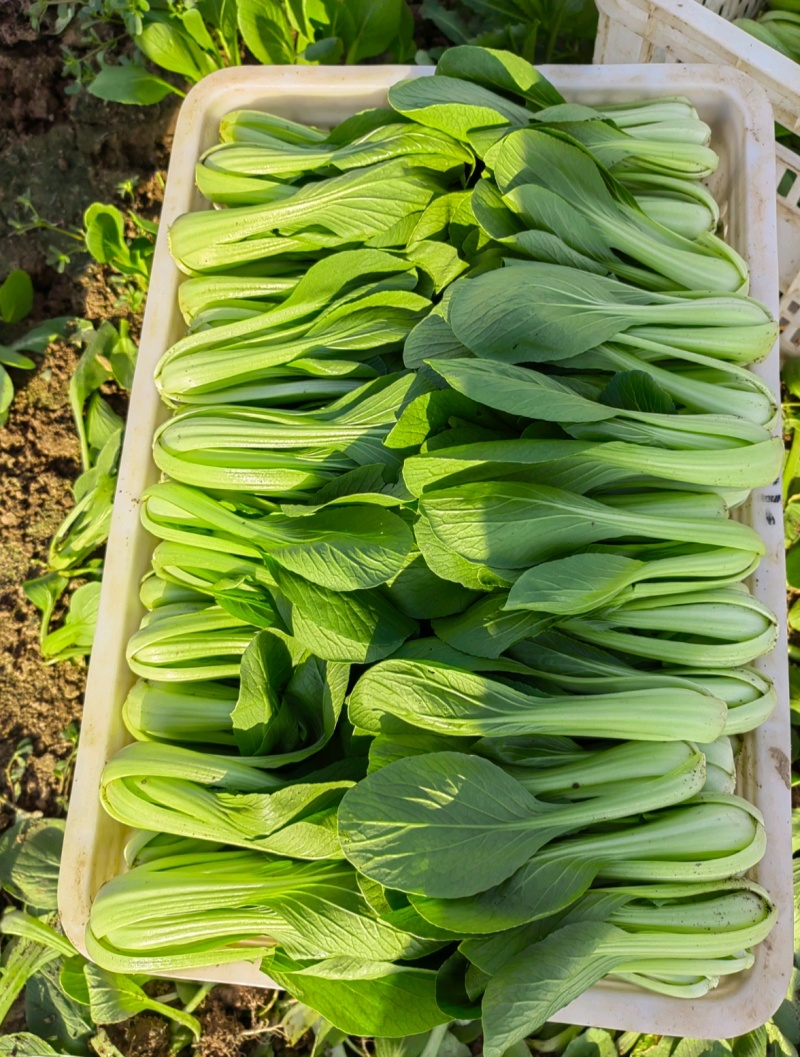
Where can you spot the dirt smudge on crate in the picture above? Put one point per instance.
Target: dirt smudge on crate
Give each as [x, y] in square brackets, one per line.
[782, 765]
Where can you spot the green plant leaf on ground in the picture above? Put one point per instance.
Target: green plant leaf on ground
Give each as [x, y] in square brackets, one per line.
[266, 31]
[753, 1044]
[94, 368]
[123, 357]
[105, 239]
[87, 525]
[300, 1019]
[36, 930]
[30, 852]
[6, 394]
[74, 639]
[166, 42]
[39, 337]
[73, 980]
[51, 1013]
[114, 997]
[592, 1043]
[378, 26]
[447, 20]
[132, 85]
[688, 1047]
[105, 233]
[11, 358]
[16, 296]
[21, 961]
[26, 1044]
[44, 591]
[327, 51]
[102, 422]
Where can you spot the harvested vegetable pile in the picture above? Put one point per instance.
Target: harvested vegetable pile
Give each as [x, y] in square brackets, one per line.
[778, 26]
[447, 649]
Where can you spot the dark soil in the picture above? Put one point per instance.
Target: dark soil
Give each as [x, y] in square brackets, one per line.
[38, 460]
[234, 1020]
[61, 152]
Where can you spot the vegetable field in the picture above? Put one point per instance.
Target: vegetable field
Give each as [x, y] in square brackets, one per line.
[447, 657]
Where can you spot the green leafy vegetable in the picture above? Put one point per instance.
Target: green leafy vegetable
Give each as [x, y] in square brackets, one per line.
[463, 402]
[411, 824]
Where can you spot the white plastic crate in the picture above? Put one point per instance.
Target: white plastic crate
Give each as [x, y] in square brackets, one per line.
[740, 118]
[688, 31]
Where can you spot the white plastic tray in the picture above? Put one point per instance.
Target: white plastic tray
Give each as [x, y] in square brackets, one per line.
[687, 31]
[741, 118]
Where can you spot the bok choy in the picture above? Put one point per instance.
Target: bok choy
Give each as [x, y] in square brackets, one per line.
[445, 669]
